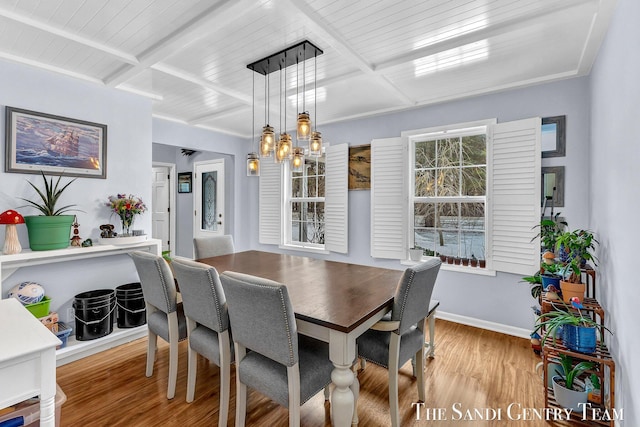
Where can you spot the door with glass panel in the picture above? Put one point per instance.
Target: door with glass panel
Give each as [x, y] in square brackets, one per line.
[209, 198]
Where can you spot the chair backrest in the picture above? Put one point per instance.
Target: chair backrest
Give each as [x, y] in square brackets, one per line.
[207, 247]
[261, 316]
[411, 301]
[202, 296]
[158, 286]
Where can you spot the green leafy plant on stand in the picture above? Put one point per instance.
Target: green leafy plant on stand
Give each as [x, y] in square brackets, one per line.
[570, 373]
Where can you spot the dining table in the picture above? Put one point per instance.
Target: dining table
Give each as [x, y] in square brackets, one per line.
[333, 301]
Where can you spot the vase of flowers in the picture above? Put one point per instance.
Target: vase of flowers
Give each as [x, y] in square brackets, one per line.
[126, 207]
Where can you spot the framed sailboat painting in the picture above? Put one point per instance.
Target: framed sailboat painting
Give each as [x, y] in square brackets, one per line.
[55, 145]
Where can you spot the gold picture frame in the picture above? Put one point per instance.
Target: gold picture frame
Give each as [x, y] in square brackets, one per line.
[360, 167]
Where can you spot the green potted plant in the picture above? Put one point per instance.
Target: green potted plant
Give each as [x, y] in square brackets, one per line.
[578, 331]
[568, 391]
[578, 244]
[52, 229]
[535, 284]
[550, 229]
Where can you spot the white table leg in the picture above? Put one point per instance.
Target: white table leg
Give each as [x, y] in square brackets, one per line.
[47, 411]
[342, 399]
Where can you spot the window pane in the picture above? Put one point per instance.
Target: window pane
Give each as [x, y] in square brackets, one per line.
[321, 186]
[425, 154]
[448, 182]
[446, 242]
[311, 186]
[296, 187]
[320, 165]
[472, 216]
[425, 183]
[474, 181]
[474, 150]
[311, 166]
[448, 214]
[425, 239]
[424, 215]
[448, 152]
[472, 244]
[296, 208]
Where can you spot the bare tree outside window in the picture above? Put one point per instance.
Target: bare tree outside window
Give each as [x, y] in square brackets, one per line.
[450, 194]
[307, 203]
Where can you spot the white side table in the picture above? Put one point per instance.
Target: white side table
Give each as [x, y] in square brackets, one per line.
[27, 360]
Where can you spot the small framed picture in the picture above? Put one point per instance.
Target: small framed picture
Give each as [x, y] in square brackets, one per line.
[184, 182]
[553, 137]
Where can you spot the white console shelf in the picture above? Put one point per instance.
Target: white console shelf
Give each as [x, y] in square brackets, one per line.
[75, 350]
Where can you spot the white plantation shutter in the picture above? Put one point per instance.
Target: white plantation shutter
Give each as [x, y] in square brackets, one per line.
[388, 198]
[336, 202]
[270, 219]
[513, 196]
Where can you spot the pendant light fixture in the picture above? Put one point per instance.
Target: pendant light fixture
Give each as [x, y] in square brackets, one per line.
[304, 122]
[267, 142]
[297, 159]
[279, 61]
[268, 135]
[315, 143]
[253, 162]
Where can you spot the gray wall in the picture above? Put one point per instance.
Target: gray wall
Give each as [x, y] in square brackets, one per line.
[184, 201]
[499, 299]
[211, 145]
[128, 120]
[614, 176]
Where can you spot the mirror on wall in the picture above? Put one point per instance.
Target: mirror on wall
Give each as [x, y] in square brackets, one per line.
[552, 186]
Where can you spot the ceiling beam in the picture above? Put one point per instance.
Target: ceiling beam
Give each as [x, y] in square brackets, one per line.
[320, 26]
[75, 37]
[49, 67]
[175, 72]
[492, 30]
[225, 11]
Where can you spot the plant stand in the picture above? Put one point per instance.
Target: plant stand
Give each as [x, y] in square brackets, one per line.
[598, 413]
[604, 368]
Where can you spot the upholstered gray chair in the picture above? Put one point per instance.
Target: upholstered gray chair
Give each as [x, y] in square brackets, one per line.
[400, 335]
[287, 367]
[207, 247]
[165, 317]
[205, 308]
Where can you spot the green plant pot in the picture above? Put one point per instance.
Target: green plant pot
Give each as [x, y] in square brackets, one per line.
[49, 232]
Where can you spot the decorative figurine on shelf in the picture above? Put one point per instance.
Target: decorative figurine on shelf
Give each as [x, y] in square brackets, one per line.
[11, 242]
[87, 243]
[106, 231]
[76, 240]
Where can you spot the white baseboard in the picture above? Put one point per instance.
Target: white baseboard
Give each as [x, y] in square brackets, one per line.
[484, 324]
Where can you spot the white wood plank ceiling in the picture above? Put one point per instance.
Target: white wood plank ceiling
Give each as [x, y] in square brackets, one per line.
[190, 56]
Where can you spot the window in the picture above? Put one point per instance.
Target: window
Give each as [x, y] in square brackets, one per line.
[470, 188]
[305, 207]
[449, 182]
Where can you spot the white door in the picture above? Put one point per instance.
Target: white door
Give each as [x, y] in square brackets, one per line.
[160, 205]
[209, 198]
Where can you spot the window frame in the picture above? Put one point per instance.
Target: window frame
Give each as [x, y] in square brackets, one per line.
[441, 132]
[288, 200]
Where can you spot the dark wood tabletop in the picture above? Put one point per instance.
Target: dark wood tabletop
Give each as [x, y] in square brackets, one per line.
[336, 295]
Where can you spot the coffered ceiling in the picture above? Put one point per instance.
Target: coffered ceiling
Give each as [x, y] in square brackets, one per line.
[190, 56]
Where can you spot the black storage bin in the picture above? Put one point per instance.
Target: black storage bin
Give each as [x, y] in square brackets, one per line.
[131, 305]
[95, 311]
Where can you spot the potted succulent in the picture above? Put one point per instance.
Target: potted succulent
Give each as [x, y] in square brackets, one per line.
[578, 244]
[568, 391]
[578, 331]
[52, 229]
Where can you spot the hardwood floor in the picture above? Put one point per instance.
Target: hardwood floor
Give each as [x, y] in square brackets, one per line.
[473, 369]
